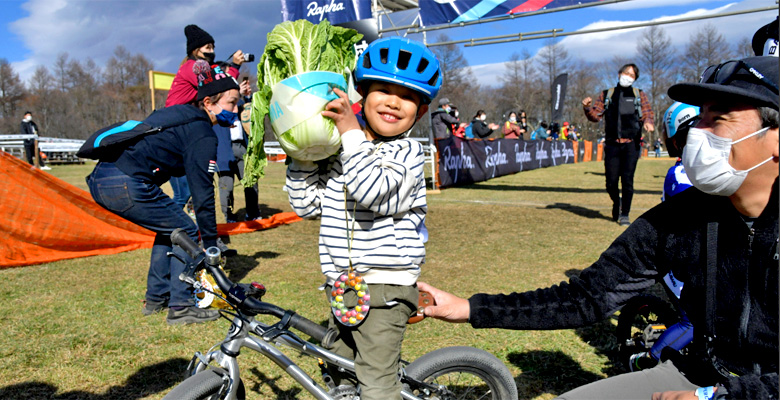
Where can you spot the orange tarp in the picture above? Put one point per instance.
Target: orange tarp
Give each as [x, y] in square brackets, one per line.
[47, 219]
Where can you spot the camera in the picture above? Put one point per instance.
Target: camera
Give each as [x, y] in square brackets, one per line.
[248, 57]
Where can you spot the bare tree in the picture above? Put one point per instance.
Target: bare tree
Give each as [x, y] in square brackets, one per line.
[41, 87]
[11, 94]
[707, 47]
[656, 58]
[553, 58]
[459, 84]
[583, 81]
[744, 48]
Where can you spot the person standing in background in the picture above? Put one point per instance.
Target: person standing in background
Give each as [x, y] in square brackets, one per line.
[29, 127]
[512, 129]
[442, 121]
[626, 110]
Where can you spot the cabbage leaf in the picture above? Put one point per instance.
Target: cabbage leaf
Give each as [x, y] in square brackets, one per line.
[295, 47]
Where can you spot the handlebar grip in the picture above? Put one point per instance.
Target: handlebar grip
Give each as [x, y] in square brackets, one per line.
[316, 331]
[180, 238]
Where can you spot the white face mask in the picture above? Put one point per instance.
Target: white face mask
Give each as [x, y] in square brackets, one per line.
[512, 119]
[456, 114]
[706, 161]
[482, 117]
[626, 80]
[27, 119]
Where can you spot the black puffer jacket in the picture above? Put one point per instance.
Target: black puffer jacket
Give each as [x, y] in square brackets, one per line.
[672, 236]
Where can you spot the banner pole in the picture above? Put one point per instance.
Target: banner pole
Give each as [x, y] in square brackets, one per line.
[151, 86]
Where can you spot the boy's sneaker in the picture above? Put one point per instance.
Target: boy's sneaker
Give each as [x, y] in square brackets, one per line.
[45, 168]
[153, 307]
[191, 315]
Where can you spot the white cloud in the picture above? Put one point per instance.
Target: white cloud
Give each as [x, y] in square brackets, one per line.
[94, 28]
[600, 46]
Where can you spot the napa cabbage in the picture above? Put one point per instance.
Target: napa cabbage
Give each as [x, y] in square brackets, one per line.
[295, 48]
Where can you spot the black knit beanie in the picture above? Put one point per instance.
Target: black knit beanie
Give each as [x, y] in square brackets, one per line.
[196, 38]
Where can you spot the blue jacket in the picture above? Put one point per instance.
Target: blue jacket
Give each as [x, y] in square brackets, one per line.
[188, 149]
[225, 147]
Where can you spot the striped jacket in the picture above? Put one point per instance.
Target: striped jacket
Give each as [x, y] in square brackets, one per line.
[382, 186]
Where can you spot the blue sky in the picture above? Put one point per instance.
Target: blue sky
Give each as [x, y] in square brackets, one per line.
[35, 31]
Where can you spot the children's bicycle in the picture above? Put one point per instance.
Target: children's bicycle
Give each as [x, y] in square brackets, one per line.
[447, 373]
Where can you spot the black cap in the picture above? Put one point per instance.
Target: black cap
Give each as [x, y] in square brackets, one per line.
[212, 80]
[196, 37]
[743, 88]
[766, 32]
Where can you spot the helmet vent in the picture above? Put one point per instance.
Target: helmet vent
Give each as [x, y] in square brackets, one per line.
[433, 79]
[403, 59]
[383, 55]
[422, 66]
[366, 60]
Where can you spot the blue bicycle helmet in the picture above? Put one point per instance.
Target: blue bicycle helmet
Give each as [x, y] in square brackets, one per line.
[401, 61]
[678, 118]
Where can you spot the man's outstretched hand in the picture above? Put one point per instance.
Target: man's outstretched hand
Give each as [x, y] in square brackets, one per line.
[448, 307]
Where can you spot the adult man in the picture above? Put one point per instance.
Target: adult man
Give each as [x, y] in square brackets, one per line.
[720, 238]
[442, 121]
[625, 109]
[29, 127]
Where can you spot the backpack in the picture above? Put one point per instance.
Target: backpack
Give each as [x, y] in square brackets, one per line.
[637, 100]
[469, 134]
[114, 138]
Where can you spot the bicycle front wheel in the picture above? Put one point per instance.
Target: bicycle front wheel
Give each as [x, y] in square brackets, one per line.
[209, 384]
[463, 373]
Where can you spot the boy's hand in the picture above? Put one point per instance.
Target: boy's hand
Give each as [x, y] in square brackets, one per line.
[340, 111]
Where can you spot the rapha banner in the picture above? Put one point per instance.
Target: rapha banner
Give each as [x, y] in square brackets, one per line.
[558, 97]
[435, 12]
[467, 161]
[335, 11]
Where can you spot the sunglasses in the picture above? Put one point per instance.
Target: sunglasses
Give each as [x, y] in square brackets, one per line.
[723, 74]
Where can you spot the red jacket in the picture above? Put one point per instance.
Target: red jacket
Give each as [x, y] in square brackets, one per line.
[184, 89]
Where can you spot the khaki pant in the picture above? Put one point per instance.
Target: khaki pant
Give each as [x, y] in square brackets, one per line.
[376, 343]
[638, 385]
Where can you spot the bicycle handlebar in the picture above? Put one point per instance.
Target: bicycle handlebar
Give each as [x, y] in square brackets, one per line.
[235, 295]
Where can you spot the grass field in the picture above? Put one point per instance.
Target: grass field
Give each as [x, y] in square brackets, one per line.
[73, 329]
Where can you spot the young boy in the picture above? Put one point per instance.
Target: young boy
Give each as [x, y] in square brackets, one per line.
[371, 201]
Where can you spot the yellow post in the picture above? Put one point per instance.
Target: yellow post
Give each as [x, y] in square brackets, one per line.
[160, 80]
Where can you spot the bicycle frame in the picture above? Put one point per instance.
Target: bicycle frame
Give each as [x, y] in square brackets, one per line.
[239, 337]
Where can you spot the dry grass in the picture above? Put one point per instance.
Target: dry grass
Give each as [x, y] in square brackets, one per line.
[73, 329]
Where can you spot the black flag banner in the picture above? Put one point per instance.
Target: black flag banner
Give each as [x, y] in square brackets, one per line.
[558, 97]
[467, 161]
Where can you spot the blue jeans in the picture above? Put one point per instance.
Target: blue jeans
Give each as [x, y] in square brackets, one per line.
[145, 204]
[181, 190]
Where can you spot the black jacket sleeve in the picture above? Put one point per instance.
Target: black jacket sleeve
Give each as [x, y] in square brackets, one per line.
[480, 129]
[624, 270]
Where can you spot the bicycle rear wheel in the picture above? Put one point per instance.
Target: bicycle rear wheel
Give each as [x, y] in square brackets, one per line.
[209, 384]
[463, 373]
